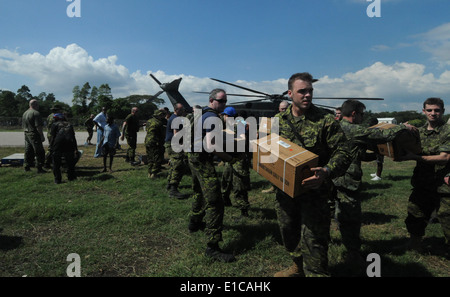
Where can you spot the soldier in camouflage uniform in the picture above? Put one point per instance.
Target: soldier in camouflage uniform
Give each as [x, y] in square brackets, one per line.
[178, 160]
[32, 124]
[64, 145]
[154, 143]
[430, 180]
[50, 120]
[348, 200]
[208, 203]
[130, 129]
[305, 220]
[236, 177]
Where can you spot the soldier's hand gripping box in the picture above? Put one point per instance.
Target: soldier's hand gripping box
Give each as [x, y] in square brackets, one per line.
[403, 142]
[283, 163]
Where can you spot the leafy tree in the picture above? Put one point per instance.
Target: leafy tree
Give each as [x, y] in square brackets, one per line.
[7, 103]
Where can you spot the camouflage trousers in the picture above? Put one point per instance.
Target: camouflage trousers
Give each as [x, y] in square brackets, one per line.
[305, 229]
[132, 143]
[208, 202]
[69, 158]
[155, 158]
[34, 149]
[236, 181]
[349, 216]
[421, 204]
[178, 165]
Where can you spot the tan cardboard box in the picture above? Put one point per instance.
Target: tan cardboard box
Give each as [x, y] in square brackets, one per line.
[290, 164]
[403, 141]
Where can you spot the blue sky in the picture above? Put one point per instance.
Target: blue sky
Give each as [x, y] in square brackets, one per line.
[402, 56]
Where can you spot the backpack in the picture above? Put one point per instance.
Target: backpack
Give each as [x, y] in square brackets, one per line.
[64, 137]
[195, 118]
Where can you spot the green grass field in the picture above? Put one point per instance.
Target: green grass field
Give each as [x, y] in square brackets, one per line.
[123, 224]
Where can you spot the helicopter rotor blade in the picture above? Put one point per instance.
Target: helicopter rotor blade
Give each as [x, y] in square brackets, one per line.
[241, 95]
[347, 98]
[326, 106]
[157, 94]
[244, 88]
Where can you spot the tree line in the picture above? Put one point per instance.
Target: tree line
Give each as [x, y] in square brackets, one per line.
[89, 100]
[86, 100]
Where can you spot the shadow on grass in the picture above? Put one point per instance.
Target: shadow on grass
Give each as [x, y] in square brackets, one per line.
[8, 243]
[376, 218]
[250, 235]
[261, 185]
[393, 260]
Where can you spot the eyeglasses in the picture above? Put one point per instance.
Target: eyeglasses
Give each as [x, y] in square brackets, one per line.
[306, 91]
[221, 100]
[435, 110]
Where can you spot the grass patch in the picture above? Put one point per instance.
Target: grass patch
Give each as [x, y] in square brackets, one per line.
[123, 224]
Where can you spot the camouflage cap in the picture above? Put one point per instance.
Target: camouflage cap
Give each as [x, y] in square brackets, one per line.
[159, 113]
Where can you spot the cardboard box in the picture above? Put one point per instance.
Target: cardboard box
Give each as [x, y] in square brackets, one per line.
[290, 164]
[403, 141]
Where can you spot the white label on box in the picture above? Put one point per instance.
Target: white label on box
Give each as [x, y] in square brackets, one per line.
[284, 144]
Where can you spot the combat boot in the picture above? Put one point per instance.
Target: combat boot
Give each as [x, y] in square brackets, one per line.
[215, 253]
[174, 193]
[294, 271]
[196, 226]
[40, 170]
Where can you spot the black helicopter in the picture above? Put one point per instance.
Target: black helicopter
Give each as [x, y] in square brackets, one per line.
[265, 106]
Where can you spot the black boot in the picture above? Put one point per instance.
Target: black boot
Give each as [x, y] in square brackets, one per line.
[215, 253]
[196, 226]
[174, 193]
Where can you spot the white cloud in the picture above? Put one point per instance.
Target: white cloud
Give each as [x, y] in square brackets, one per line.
[403, 85]
[437, 43]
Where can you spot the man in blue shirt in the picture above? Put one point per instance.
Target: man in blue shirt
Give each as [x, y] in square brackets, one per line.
[208, 203]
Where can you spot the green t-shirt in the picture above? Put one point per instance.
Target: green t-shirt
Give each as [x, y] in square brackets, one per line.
[31, 120]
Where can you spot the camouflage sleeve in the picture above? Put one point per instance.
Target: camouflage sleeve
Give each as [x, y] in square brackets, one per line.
[378, 136]
[445, 139]
[343, 150]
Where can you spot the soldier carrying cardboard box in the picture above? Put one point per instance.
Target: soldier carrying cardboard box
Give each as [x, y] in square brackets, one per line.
[305, 220]
[347, 199]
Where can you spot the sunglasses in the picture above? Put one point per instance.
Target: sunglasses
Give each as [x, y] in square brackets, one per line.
[435, 110]
[306, 91]
[221, 100]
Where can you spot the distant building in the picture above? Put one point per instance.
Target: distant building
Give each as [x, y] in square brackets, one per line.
[387, 120]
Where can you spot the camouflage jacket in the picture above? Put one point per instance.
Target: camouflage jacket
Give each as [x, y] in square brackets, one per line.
[156, 132]
[428, 176]
[320, 134]
[362, 138]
